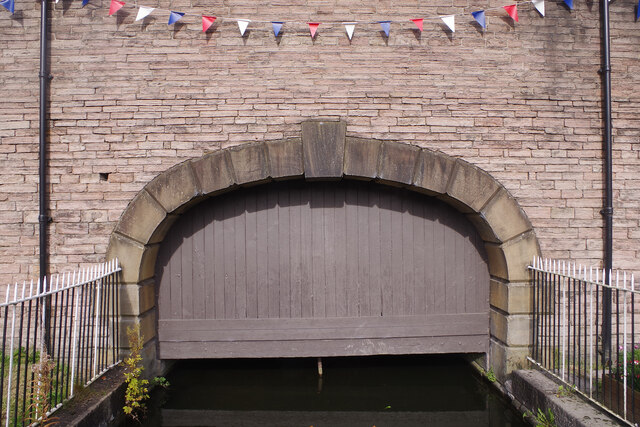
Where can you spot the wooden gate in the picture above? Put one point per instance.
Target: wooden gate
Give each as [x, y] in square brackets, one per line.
[321, 269]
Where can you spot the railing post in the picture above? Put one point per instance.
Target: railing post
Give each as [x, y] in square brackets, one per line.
[74, 338]
[563, 321]
[624, 338]
[13, 324]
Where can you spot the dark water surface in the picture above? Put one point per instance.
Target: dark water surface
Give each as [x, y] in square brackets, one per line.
[371, 391]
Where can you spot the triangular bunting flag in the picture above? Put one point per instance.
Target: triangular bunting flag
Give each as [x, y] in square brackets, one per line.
[207, 22]
[277, 26]
[539, 5]
[480, 18]
[512, 10]
[175, 17]
[351, 26]
[143, 12]
[115, 6]
[569, 4]
[638, 11]
[242, 25]
[386, 26]
[450, 21]
[313, 27]
[85, 2]
[9, 5]
[418, 22]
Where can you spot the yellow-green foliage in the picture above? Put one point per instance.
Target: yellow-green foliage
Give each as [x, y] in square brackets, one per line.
[137, 388]
[40, 391]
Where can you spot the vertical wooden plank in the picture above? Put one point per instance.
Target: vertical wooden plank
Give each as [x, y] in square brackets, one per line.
[363, 259]
[187, 271]
[450, 264]
[418, 248]
[218, 260]
[407, 254]
[295, 251]
[273, 262]
[351, 210]
[199, 263]
[209, 250]
[284, 230]
[228, 232]
[307, 260]
[251, 255]
[438, 264]
[385, 253]
[163, 276]
[459, 271]
[240, 220]
[340, 251]
[329, 254]
[317, 249]
[176, 280]
[262, 255]
[397, 275]
[429, 259]
[374, 243]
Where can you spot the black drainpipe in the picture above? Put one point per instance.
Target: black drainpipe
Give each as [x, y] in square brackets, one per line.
[43, 219]
[607, 211]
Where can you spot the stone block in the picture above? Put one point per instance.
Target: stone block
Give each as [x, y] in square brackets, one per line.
[505, 359]
[483, 227]
[323, 147]
[361, 157]
[497, 261]
[175, 187]
[433, 172]
[249, 163]
[512, 298]
[470, 187]
[137, 298]
[505, 217]
[398, 163]
[513, 330]
[213, 172]
[137, 260]
[518, 255]
[285, 158]
[141, 219]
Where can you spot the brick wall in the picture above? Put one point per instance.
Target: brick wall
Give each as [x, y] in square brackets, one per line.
[130, 99]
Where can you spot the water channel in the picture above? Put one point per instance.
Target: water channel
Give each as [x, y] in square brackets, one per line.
[371, 391]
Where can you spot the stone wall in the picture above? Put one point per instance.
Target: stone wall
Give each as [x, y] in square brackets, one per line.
[131, 99]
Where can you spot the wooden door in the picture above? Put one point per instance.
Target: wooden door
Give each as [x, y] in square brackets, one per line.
[321, 269]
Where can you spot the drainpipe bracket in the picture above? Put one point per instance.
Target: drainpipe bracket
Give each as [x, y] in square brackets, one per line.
[608, 211]
[45, 76]
[604, 69]
[44, 218]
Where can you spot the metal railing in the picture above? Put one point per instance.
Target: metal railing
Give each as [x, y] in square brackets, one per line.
[573, 341]
[70, 320]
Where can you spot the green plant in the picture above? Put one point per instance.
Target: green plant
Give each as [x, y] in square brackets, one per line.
[565, 391]
[491, 376]
[633, 366]
[542, 419]
[161, 382]
[40, 392]
[137, 387]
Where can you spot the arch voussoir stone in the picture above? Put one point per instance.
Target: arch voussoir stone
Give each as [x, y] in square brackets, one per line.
[325, 152]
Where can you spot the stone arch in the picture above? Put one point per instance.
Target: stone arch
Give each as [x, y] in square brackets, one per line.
[323, 152]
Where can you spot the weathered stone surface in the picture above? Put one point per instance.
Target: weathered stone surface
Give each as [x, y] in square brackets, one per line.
[512, 298]
[513, 330]
[147, 322]
[137, 261]
[175, 187]
[285, 158]
[433, 172]
[483, 227]
[397, 163]
[470, 186]
[136, 299]
[361, 157]
[505, 359]
[518, 254]
[213, 172]
[505, 217]
[249, 163]
[141, 218]
[323, 147]
[497, 262]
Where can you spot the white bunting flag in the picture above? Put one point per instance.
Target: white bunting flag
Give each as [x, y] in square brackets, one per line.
[539, 5]
[143, 12]
[243, 24]
[349, 27]
[450, 21]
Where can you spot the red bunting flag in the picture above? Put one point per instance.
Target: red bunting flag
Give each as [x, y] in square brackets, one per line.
[207, 22]
[418, 22]
[115, 6]
[313, 27]
[512, 11]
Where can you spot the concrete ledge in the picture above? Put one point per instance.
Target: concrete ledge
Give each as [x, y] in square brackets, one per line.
[534, 390]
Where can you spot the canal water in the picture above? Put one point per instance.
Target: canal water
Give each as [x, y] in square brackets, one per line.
[368, 391]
